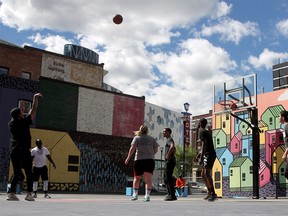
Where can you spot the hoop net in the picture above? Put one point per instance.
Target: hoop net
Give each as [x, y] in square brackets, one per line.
[228, 105]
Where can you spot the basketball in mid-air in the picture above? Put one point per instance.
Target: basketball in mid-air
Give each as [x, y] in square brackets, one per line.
[233, 106]
[117, 19]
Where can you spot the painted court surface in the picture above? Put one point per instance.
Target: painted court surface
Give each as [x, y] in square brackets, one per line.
[120, 205]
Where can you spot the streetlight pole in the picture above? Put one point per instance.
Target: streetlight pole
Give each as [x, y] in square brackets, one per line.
[185, 135]
[161, 149]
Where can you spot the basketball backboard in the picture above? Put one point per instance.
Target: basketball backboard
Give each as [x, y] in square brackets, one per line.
[241, 91]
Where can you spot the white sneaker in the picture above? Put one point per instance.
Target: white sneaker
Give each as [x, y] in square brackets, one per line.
[29, 197]
[134, 197]
[147, 199]
[47, 196]
[12, 197]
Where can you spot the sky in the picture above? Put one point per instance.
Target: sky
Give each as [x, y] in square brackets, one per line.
[169, 51]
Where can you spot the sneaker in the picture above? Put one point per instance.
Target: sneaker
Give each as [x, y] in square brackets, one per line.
[169, 198]
[212, 198]
[134, 197]
[29, 197]
[34, 195]
[12, 197]
[47, 196]
[207, 197]
[147, 199]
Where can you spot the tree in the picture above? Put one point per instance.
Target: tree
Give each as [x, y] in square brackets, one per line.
[190, 154]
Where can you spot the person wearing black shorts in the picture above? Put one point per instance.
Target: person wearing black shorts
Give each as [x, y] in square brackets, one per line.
[39, 155]
[207, 158]
[20, 144]
[144, 162]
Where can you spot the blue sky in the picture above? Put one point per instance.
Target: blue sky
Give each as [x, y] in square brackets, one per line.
[171, 52]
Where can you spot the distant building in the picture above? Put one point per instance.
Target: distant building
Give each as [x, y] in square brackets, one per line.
[280, 76]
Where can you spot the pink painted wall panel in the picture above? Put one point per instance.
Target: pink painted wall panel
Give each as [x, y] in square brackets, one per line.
[128, 115]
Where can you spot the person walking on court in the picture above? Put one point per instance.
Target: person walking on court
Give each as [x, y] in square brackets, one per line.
[207, 158]
[39, 155]
[20, 144]
[284, 120]
[144, 162]
[170, 163]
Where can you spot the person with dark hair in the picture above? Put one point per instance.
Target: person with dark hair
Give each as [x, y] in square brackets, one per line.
[284, 120]
[39, 154]
[170, 163]
[144, 162]
[207, 158]
[20, 144]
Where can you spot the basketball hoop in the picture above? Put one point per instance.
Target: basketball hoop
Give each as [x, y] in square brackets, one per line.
[228, 105]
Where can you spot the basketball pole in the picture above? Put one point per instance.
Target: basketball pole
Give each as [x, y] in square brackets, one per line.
[255, 147]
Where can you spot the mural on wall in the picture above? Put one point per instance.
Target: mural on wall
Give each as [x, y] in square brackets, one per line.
[235, 154]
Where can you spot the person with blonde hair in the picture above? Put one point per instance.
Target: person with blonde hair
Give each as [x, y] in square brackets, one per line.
[145, 147]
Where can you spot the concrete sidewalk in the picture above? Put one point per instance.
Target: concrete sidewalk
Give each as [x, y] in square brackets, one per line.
[118, 205]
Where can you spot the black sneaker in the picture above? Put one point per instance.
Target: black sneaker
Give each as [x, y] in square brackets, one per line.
[212, 198]
[170, 198]
[207, 197]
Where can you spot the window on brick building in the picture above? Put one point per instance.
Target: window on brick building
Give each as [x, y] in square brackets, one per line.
[4, 71]
[26, 75]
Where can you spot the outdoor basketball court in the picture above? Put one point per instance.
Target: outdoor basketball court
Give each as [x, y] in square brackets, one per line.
[118, 205]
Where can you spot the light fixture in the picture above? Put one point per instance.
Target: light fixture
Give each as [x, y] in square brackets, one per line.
[186, 106]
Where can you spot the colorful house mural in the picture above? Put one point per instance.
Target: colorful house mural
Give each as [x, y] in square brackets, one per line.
[271, 148]
[241, 174]
[225, 158]
[236, 143]
[219, 138]
[217, 177]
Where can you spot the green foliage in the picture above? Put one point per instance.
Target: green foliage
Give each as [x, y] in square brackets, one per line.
[190, 154]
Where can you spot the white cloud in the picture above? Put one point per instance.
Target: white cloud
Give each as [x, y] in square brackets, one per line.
[132, 52]
[53, 43]
[266, 59]
[231, 30]
[223, 9]
[282, 27]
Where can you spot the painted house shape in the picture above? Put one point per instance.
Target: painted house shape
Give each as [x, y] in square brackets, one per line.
[236, 143]
[263, 128]
[237, 122]
[273, 138]
[225, 158]
[243, 127]
[279, 167]
[264, 174]
[247, 146]
[223, 122]
[241, 174]
[219, 138]
[271, 116]
[65, 154]
[217, 177]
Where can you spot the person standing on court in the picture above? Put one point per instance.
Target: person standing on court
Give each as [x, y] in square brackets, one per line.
[20, 144]
[144, 162]
[207, 158]
[170, 163]
[284, 120]
[39, 154]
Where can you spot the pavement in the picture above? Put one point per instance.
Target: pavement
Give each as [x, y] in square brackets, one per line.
[70, 204]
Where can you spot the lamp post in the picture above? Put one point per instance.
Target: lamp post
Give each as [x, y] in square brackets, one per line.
[186, 133]
[161, 149]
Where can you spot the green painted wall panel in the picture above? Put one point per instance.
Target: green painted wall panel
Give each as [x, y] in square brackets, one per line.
[58, 107]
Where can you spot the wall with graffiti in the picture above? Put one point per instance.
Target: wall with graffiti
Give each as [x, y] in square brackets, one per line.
[232, 171]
